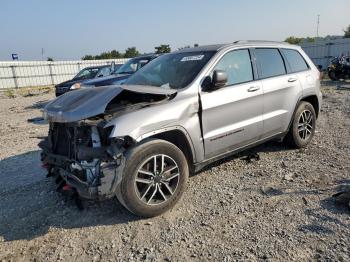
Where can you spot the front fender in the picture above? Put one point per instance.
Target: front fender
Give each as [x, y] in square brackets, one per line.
[181, 114]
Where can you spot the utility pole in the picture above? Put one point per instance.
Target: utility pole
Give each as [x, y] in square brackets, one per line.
[318, 24]
[42, 54]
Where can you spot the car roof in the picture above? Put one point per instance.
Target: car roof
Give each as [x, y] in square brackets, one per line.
[145, 56]
[97, 67]
[241, 43]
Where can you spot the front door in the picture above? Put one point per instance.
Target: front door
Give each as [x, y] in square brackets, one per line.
[232, 115]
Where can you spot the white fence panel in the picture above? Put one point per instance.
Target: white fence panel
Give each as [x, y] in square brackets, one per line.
[16, 74]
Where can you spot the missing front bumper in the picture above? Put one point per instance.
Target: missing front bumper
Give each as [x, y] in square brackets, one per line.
[110, 175]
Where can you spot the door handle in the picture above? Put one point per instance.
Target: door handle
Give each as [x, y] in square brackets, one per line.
[253, 88]
[292, 79]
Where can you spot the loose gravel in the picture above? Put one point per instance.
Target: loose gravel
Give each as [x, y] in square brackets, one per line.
[278, 208]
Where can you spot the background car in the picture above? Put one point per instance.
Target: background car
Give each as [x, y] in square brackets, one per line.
[122, 73]
[84, 74]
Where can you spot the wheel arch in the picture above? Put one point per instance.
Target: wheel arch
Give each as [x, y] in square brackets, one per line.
[177, 136]
[313, 100]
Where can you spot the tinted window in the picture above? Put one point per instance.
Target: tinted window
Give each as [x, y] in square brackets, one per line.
[132, 65]
[87, 73]
[237, 65]
[295, 60]
[270, 62]
[104, 72]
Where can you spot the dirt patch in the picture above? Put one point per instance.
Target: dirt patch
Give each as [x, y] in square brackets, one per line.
[276, 208]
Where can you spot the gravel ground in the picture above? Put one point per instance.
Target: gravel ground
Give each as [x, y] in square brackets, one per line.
[277, 208]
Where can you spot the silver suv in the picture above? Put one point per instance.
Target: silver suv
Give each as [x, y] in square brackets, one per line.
[184, 110]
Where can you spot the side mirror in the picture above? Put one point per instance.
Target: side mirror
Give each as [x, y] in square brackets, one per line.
[100, 75]
[218, 80]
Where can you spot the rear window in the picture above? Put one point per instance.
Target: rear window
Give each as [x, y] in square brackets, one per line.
[270, 62]
[295, 61]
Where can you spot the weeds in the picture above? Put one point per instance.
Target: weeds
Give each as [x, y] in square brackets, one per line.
[28, 91]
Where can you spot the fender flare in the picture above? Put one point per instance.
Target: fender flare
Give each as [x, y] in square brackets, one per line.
[167, 129]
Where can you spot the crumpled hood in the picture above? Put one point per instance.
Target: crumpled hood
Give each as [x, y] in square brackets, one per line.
[89, 102]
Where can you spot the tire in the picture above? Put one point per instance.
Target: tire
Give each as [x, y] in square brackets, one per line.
[301, 132]
[149, 195]
[333, 76]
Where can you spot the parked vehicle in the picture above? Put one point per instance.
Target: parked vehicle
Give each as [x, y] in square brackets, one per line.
[339, 68]
[84, 74]
[139, 141]
[122, 73]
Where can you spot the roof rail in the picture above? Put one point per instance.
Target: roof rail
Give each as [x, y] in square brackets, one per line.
[258, 41]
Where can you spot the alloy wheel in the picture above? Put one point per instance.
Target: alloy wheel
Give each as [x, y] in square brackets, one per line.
[157, 179]
[305, 124]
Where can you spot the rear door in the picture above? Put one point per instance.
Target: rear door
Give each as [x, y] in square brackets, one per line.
[232, 115]
[296, 64]
[280, 90]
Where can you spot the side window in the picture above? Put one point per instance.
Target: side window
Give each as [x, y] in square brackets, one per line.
[237, 64]
[104, 72]
[270, 62]
[295, 61]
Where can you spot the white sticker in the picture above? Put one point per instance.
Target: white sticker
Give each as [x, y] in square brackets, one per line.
[192, 58]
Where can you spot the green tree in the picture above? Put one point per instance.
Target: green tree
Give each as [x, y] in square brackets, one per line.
[104, 55]
[347, 32]
[294, 40]
[131, 52]
[50, 59]
[88, 57]
[162, 49]
[297, 40]
[116, 54]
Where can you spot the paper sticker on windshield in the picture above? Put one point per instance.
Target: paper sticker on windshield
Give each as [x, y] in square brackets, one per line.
[192, 58]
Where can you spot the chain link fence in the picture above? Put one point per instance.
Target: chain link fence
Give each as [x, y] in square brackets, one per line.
[16, 74]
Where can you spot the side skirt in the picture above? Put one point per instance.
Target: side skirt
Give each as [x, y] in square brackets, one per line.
[199, 166]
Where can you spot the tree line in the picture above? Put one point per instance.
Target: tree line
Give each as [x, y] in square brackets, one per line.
[130, 52]
[298, 40]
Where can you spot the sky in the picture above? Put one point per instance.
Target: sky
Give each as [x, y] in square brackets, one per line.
[70, 29]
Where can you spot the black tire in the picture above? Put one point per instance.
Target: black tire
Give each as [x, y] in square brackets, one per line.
[333, 76]
[128, 192]
[296, 136]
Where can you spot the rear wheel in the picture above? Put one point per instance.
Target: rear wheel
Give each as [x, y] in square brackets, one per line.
[303, 126]
[154, 178]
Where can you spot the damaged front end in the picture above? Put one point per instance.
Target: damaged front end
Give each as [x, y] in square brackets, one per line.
[84, 157]
[79, 149]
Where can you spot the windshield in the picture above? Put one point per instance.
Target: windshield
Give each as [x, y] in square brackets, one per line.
[87, 73]
[175, 70]
[132, 66]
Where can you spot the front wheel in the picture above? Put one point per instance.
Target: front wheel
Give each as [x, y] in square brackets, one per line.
[303, 125]
[154, 179]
